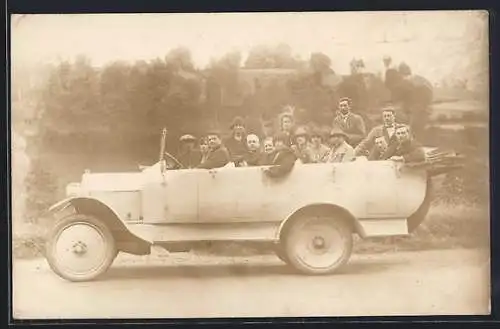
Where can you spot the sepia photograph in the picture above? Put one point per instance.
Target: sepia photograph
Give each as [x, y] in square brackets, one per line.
[249, 165]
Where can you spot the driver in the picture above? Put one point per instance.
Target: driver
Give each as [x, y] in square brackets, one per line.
[188, 155]
[217, 156]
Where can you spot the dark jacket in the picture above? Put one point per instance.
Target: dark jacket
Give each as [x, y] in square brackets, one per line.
[375, 154]
[353, 126]
[266, 159]
[216, 158]
[282, 164]
[411, 151]
[368, 142]
[189, 158]
[289, 140]
[237, 149]
[253, 158]
[302, 153]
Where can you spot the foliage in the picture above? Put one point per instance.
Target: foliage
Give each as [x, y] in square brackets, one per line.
[41, 188]
[265, 57]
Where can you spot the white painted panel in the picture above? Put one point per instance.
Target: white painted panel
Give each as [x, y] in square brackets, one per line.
[384, 227]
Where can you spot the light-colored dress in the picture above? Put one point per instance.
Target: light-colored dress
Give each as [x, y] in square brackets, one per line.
[342, 153]
[318, 154]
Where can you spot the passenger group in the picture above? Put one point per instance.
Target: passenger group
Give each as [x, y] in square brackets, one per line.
[346, 141]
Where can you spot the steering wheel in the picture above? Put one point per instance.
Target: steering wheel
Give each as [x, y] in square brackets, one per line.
[171, 162]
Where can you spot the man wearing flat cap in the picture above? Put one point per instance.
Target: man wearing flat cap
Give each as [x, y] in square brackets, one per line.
[236, 144]
[340, 150]
[350, 123]
[284, 158]
[188, 155]
[218, 155]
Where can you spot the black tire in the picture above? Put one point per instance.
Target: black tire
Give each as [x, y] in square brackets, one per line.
[318, 245]
[71, 237]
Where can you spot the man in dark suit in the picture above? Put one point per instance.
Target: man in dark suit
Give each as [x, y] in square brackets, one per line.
[386, 130]
[287, 125]
[218, 156]
[254, 154]
[350, 123]
[267, 156]
[406, 148]
[378, 149]
[284, 158]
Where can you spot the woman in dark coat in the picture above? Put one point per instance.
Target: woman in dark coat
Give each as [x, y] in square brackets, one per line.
[284, 158]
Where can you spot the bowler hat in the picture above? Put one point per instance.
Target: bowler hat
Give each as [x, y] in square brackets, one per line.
[316, 132]
[301, 131]
[237, 121]
[404, 69]
[337, 132]
[187, 138]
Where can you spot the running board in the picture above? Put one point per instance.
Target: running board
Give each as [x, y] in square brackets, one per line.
[266, 231]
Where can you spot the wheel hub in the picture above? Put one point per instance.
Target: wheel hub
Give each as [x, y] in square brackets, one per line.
[318, 242]
[79, 248]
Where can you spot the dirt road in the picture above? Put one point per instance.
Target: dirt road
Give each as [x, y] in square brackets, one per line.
[413, 283]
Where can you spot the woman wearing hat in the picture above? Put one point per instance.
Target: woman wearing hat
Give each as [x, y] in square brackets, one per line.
[317, 150]
[188, 156]
[340, 150]
[236, 144]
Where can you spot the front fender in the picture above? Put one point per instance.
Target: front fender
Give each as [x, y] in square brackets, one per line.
[99, 208]
[61, 205]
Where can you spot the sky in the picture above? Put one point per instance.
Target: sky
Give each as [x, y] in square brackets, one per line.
[436, 44]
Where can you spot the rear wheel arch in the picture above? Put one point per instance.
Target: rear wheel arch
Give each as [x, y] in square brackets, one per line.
[320, 209]
[125, 240]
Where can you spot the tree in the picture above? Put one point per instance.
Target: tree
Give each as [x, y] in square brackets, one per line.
[179, 59]
[70, 102]
[320, 63]
[267, 57]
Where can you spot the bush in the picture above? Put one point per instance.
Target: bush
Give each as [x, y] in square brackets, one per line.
[41, 190]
